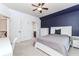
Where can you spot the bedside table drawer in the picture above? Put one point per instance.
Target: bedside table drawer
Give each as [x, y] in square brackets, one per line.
[77, 46]
[76, 43]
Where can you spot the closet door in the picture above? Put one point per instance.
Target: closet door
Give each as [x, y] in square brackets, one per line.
[26, 28]
[15, 22]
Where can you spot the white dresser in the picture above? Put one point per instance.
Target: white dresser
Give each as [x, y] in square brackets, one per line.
[75, 42]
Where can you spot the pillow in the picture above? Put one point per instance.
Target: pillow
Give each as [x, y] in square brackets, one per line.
[58, 31]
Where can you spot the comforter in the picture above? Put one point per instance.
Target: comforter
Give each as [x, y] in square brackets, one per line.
[57, 42]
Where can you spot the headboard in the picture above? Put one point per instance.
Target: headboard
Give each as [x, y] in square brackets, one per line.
[44, 31]
[64, 30]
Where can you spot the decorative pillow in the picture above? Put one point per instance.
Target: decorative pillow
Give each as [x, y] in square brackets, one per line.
[58, 31]
[3, 34]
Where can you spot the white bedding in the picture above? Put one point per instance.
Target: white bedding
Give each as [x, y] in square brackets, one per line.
[5, 47]
[59, 43]
[65, 44]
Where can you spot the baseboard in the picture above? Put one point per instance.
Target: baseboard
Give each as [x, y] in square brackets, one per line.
[20, 40]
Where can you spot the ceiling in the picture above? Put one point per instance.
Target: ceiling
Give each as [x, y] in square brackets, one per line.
[27, 8]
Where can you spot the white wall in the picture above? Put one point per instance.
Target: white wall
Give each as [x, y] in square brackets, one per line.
[21, 25]
[4, 10]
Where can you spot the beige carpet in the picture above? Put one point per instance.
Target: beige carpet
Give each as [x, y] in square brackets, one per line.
[26, 48]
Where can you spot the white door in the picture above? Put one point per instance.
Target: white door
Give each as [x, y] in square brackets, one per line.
[26, 29]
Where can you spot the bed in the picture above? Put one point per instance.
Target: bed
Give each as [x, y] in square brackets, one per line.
[55, 44]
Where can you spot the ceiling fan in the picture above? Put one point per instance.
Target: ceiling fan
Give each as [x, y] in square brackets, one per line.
[40, 7]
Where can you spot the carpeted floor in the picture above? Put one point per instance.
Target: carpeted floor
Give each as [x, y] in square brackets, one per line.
[26, 48]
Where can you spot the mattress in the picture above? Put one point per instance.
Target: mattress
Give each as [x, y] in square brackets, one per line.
[59, 43]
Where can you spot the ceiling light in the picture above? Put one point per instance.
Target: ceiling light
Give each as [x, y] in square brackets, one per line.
[39, 9]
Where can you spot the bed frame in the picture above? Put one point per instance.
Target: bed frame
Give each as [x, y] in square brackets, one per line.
[64, 30]
[47, 49]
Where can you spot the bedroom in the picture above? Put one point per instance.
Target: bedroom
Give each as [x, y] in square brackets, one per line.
[32, 31]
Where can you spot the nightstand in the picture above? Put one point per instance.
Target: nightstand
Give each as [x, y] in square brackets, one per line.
[75, 41]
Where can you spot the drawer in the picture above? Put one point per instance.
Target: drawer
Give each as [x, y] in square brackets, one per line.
[76, 46]
[76, 41]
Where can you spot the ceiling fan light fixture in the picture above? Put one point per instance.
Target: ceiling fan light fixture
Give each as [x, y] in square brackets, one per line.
[39, 9]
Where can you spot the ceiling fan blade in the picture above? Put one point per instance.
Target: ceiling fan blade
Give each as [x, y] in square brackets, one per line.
[34, 5]
[40, 11]
[34, 9]
[39, 4]
[45, 8]
[42, 4]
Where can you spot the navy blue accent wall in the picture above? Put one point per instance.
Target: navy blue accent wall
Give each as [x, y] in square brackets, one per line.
[67, 17]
